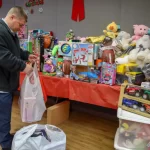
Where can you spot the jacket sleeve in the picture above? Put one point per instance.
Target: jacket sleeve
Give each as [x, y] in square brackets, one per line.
[7, 59]
[24, 54]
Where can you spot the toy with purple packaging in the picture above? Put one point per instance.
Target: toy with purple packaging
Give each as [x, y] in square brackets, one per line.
[49, 65]
[108, 73]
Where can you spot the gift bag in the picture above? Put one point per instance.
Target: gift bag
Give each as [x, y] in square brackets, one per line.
[39, 137]
[31, 101]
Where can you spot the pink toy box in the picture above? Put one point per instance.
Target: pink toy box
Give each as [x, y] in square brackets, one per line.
[108, 73]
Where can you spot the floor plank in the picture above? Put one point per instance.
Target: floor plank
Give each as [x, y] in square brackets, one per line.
[84, 131]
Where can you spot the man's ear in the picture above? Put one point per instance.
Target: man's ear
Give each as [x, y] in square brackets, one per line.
[12, 16]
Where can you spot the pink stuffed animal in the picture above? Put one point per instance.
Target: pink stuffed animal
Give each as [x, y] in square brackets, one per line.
[139, 31]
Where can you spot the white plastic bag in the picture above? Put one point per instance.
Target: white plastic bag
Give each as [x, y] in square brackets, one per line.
[39, 137]
[32, 103]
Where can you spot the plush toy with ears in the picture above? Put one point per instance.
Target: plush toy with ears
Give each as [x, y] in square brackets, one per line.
[139, 31]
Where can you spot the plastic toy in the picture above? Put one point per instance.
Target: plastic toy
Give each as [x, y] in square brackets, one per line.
[89, 75]
[146, 94]
[59, 63]
[130, 103]
[139, 31]
[134, 91]
[49, 66]
[145, 85]
[55, 50]
[73, 73]
[70, 35]
[147, 108]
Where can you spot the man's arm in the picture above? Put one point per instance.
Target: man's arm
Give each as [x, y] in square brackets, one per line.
[7, 59]
[24, 55]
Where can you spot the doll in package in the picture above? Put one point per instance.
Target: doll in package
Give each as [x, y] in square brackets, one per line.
[108, 73]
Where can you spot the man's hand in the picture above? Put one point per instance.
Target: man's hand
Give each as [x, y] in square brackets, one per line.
[32, 58]
[28, 69]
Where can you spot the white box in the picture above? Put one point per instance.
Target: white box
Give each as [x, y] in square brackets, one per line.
[133, 132]
[116, 146]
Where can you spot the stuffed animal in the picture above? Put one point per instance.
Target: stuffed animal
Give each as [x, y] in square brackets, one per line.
[141, 51]
[138, 54]
[124, 39]
[139, 31]
[111, 30]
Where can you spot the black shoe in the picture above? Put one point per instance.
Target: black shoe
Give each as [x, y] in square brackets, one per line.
[6, 148]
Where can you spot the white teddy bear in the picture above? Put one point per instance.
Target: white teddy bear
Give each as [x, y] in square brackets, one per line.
[124, 38]
[139, 55]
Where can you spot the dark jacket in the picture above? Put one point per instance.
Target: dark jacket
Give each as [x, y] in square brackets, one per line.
[11, 59]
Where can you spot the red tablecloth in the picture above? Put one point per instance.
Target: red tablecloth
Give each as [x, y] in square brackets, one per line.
[97, 94]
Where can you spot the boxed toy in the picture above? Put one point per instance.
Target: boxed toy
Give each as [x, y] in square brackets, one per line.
[24, 44]
[82, 54]
[108, 73]
[65, 48]
[38, 49]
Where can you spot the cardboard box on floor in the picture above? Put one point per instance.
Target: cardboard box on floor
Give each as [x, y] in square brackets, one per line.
[58, 113]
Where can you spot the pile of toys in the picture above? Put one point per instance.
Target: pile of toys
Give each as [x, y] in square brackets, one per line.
[134, 115]
[112, 58]
[133, 135]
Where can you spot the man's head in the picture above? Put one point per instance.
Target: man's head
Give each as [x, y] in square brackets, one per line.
[16, 18]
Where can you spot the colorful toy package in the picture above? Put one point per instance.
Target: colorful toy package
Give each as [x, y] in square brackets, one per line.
[24, 44]
[82, 54]
[65, 48]
[108, 73]
[23, 33]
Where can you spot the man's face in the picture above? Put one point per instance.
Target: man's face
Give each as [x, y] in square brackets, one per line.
[17, 23]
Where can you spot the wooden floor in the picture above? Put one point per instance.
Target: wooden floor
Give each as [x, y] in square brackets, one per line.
[83, 131]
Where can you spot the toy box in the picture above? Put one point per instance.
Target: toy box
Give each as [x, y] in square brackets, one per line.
[65, 48]
[82, 54]
[38, 49]
[133, 132]
[24, 44]
[108, 73]
[96, 51]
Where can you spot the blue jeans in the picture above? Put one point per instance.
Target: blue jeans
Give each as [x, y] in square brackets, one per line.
[5, 119]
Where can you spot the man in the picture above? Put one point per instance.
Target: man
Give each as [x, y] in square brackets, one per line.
[11, 63]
